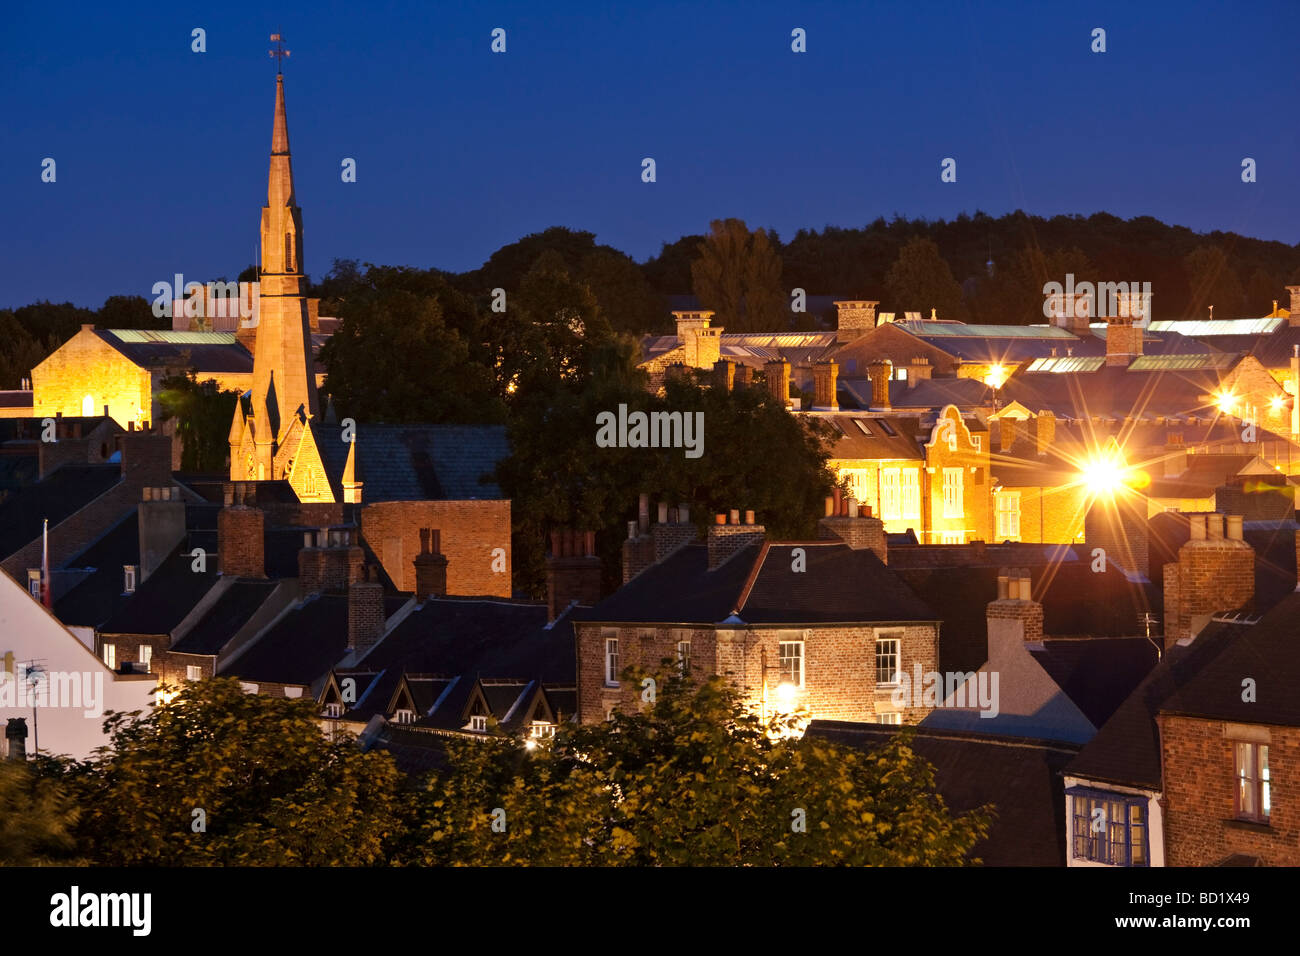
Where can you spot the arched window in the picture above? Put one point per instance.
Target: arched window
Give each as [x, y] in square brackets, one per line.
[88, 406]
[288, 253]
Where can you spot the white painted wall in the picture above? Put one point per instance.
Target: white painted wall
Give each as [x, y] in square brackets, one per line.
[81, 686]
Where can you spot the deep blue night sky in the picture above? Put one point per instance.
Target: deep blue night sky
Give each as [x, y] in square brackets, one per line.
[162, 153]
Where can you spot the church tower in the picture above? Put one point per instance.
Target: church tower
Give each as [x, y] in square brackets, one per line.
[284, 380]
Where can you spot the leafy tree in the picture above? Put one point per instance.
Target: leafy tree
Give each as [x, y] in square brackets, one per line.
[128, 312]
[737, 274]
[20, 352]
[920, 280]
[1013, 295]
[36, 817]
[1213, 283]
[694, 778]
[623, 294]
[394, 359]
[272, 789]
[203, 414]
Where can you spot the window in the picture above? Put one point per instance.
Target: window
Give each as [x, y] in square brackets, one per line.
[902, 374]
[478, 723]
[34, 584]
[128, 578]
[889, 494]
[895, 719]
[193, 672]
[684, 656]
[611, 662]
[862, 426]
[1252, 781]
[953, 505]
[1007, 516]
[952, 537]
[88, 406]
[910, 503]
[541, 729]
[334, 710]
[1109, 828]
[887, 658]
[109, 652]
[404, 715]
[309, 483]
[856, 478]
[885, 427]
[978, 442]
[791, 654]
[146, 656]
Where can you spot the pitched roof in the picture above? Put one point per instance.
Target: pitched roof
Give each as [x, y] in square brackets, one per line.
[840, 585]
[202, 351]
[417, 462]
[873, 436]
[227, 615]
[165, 598]
[58, 496]
[95, 599]
[1021, 778]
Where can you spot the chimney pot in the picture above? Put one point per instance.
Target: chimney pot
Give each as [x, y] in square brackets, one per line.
[830, 506]
[734, 516]
[853, 507]
[684, 513]
[631, 530]
[1196, 525]
[1234, 527]
[663, 512]
[1214, 527]
[720, 519]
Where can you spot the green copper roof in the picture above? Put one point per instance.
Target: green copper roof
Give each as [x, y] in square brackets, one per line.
[172, 338]
[962, 330]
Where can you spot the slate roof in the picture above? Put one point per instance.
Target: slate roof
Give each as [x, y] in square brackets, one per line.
[96, 598]
[840, 585]
[418, 462]
[1097, 674]
[1273, 541]
[1021, 778]
[61, 494]
[303, 645]
[202, 351]
[230, 612]
[165, 598]
[875, 442]
[1126, 749]
[1117, 392]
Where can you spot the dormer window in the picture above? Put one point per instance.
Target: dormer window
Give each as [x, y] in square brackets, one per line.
[129, 572]
[334, 710]
[404, 716]
[541, 729]
[478, 723]
[34, 583]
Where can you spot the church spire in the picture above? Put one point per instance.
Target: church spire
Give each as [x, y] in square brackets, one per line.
[284, 378]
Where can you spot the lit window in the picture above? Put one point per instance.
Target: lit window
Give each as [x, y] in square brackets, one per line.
[146, 656]
[894, 719]
[889, 494]
[1008, 516]
[309, 483]
[34, 584]
[109, 652]
[887, 655]
[902, 374]
[404, 715]
[684, 656]
[478, 723]
[1252, 781]
[791, 655]
[611, 662]
[193, 672]
[978, 442]
[952, 537]
[128, 578]
[862, 426]
[953, 505]
[540, 729]
[334, 709]
[1109, 828]
[910, 497]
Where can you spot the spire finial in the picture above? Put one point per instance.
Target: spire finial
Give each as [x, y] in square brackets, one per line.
[279, 52]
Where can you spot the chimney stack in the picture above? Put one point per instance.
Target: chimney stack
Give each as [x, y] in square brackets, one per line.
[329, 560]
[778, 381]
[724, 374]
[824, 376]
[1123, 335]
[880, 372]
[1215, 573]
[1044, 431]
[854, 319]
[16, 734]
[855, 527]
[673, 532]
[572, 571]
[365, 612]
[744, 376]
[430, 567]
[161, 519]
[1294, 310]
[240, 533]
[725, 540]
[1014, 615]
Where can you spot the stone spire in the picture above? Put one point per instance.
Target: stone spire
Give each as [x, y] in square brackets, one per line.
[284, 380]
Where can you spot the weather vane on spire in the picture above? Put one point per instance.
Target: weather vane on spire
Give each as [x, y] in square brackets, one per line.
[279, 52]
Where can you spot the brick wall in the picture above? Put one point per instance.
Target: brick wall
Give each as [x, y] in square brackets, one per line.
[88, 367]
[859, 533]
[1212, 575]
[1028, 613]
[839, 665]
[365, 614]
[724, 540]
[1199, 794]
[240, 542]
[471, 530]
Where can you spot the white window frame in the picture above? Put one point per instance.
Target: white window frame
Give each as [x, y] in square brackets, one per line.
[404, 715]
[1252, 799]
[129, 578]
[909, 494]
[541, 730]
[193, 672]
[613, 660]
[895, 638]
[683, 656]
[891, 494]
[858, 481]
[144, 655]
[954, 500]
[1007, 516]
[478, 723]
[108, 653]
[34, 584]
[797, 657]
[891, 718]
